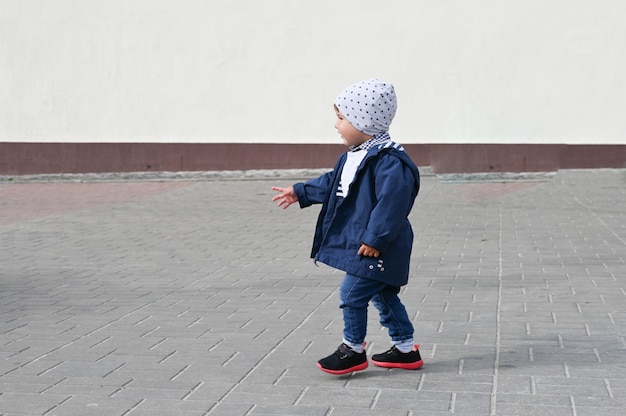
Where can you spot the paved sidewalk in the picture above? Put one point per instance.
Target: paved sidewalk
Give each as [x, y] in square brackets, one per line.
[198, 298]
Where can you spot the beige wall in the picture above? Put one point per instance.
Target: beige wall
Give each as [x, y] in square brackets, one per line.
[266, 71]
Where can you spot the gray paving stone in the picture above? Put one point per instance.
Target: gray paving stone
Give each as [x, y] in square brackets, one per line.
[195, 296]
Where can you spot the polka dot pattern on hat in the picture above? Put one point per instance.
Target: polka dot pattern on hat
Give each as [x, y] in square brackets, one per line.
[368, 105]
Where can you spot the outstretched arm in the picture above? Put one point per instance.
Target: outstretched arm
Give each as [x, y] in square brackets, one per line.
[286, 197]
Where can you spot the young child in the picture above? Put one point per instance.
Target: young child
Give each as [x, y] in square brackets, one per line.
[363, 227]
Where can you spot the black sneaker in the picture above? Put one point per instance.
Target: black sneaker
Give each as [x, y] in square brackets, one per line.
[393, 358]
[343, 361]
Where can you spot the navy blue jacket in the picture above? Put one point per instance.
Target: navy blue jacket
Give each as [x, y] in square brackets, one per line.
[374, 212]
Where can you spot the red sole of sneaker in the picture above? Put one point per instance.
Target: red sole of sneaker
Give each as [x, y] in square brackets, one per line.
[346, 371]
[406, 366]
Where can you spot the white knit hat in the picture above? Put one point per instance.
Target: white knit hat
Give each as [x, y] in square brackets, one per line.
[368, 105]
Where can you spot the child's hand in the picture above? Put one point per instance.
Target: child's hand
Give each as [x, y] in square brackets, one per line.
[286, 197]
[368, 251]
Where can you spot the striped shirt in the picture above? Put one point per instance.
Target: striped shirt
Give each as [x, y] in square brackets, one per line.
[355, 157]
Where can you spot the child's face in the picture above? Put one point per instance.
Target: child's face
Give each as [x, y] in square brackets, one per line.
[349, 134]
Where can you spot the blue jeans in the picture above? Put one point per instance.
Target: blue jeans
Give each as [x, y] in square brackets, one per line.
[355, 294]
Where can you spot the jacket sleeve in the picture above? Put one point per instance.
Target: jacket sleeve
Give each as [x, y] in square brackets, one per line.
[314, 191]
[395, 189]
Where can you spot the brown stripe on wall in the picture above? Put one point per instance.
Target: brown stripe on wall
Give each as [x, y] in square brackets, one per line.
[50, 158]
